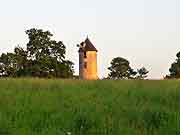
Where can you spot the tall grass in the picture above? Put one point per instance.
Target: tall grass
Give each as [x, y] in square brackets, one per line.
[74, 107]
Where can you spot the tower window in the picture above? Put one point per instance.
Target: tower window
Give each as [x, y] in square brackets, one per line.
[85, 65]
[85, 55]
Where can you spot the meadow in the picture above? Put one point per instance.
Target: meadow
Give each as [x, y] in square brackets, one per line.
[73, 107]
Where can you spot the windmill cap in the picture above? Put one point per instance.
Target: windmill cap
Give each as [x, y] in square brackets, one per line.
[89, 46]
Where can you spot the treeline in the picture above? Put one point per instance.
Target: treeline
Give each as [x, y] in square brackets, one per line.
[120, 69]
[45, 57]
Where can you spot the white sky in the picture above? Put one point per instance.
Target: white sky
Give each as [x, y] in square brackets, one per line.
[146, 32]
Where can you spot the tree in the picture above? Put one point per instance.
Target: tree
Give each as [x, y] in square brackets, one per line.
[175, 68]
[47, 56]
[120, 69]
[22, 62]
[43, 57]
[8, 65]
[142, 73]
[41, 45]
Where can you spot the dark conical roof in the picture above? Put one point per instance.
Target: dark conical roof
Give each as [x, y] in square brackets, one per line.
[86, 46]
[89, 46]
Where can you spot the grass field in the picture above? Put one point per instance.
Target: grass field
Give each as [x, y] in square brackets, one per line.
[73, 107]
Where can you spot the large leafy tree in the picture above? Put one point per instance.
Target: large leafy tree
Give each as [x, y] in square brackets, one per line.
[120, 69]
[43, 57]
[46, 55]
[41, 45]
[175, 68]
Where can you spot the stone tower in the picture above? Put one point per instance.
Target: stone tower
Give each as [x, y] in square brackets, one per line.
[87, 61]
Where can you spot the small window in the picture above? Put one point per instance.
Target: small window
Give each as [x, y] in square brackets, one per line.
[85, 55]
[85, 65]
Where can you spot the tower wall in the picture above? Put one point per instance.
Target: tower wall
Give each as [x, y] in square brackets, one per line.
[81, 65]
[91, 72]
[88, 65]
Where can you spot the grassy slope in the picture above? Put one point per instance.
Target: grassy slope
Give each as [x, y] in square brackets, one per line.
[59, 107]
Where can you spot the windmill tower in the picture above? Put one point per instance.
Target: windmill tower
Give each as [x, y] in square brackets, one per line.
[87, 61]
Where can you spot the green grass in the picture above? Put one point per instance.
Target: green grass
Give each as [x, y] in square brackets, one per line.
[64, 107]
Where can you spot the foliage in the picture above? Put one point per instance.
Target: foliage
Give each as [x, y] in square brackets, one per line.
[73, 107]
[142, 73]
[43, 57]
[120, 69]
[175, 68]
